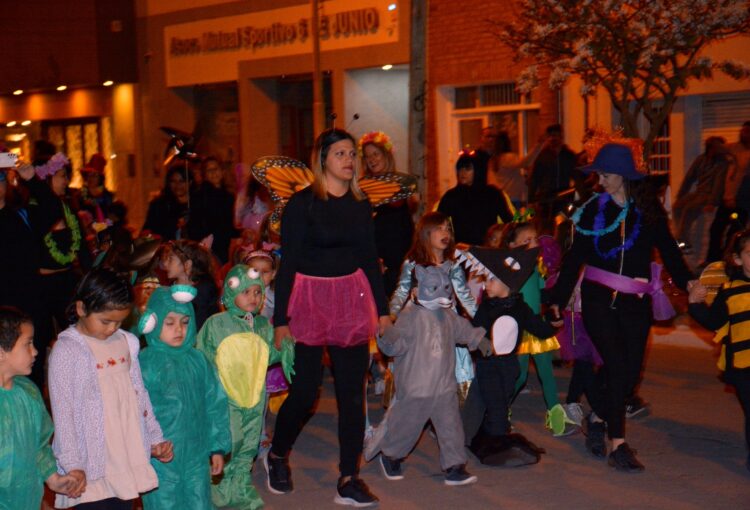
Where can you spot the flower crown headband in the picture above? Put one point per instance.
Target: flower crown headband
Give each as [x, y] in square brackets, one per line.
[52, 166]
[376, 137]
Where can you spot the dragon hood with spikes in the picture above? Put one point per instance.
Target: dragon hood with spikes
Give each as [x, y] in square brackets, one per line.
[511, 266]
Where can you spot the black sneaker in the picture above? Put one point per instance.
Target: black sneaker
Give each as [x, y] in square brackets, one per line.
[391, 468]
[595, 432]
[636, 408]
[623, 459]
[278, 480]
[457, 475]
[354, 492]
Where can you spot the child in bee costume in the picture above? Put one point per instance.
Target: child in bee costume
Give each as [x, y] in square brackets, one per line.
[422, 344]
[239, 342]
[188, 402]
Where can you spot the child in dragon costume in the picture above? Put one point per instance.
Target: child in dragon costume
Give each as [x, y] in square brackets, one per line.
[188, 402]
[239, 342]
[422, 343]
[506, 316]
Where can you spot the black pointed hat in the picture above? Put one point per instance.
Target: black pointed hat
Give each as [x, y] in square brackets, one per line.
[511, 266]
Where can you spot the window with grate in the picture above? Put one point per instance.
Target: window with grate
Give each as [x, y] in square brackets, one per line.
[495, 94]
[661, 152]
[500, 94]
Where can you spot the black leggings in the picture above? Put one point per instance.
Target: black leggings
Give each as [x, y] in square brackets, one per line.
[107, 504]
[581, 381]
[349, 367]
[620, 336]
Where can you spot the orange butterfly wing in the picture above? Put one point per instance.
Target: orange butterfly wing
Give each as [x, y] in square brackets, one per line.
[387, 188]
[283, 177]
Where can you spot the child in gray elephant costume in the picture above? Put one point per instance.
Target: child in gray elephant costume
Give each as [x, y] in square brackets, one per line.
[422, 343]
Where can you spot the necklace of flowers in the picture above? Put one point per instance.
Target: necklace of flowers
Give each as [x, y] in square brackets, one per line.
[65, 258]
[600, 230]
[627, 243]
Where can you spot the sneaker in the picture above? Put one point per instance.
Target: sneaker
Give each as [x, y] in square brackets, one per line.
[595, 432]
[457, 475]
[354, 492]
[278, 480]
[574, 410]
[558, 422]
[391, 468]
[623, 459]
[637, 408]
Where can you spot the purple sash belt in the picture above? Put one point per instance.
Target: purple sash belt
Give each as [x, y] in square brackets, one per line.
[662, 308]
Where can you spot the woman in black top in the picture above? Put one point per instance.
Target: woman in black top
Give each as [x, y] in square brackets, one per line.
[394, 227]
[616, 232]
[212, 210]
[167, 214]
[329, 294]
[60, 247]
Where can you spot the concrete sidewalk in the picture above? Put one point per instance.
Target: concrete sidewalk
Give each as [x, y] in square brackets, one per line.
[692, 446]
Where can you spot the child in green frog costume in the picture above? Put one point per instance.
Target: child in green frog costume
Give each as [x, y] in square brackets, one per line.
[239, 342]
[188, 400]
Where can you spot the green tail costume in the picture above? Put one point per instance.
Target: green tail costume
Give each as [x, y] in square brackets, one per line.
[241, 347]
[189, 403]
[26, 457]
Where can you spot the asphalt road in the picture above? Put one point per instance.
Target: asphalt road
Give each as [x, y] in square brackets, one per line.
[692, 445]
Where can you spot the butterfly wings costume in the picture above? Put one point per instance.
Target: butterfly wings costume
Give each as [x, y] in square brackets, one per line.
[285, 176]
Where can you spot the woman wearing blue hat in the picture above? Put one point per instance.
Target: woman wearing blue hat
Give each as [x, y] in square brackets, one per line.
[616, 232]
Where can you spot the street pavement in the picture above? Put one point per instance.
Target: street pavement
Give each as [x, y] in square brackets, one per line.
[692, 445]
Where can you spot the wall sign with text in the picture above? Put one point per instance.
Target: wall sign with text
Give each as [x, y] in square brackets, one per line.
[208, 51]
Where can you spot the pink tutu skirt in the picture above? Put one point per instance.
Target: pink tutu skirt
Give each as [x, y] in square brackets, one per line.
[337, 311]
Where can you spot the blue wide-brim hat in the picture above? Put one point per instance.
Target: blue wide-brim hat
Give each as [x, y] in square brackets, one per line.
[614, 158]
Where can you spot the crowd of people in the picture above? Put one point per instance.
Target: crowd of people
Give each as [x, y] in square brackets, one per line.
[161, 355]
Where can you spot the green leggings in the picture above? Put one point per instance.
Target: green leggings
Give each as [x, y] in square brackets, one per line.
[543, 363]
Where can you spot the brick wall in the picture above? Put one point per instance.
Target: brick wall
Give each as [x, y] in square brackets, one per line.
[462, 50]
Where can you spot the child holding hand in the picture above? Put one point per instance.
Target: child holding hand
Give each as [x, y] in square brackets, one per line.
[239, 342]
[422, 343]
[105, 425]
[188, 401]
[728, 316]
[25, 425]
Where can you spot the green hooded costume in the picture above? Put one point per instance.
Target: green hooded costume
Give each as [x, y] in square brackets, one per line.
[189, 403]
[241, 346]
[26, 458]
